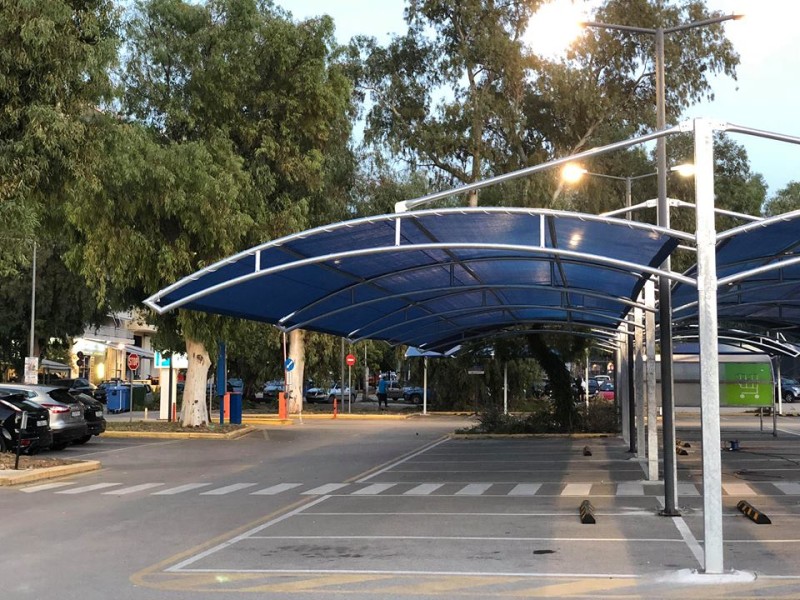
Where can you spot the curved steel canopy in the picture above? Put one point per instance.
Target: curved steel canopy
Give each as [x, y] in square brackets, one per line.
[434, 277]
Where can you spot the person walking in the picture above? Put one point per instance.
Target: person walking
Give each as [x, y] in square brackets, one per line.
[382, 397]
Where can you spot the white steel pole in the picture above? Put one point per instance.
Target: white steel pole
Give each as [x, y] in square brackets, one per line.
[505, 388]
[650, 386]
[638, 382]
[425, 385]
[709, 350]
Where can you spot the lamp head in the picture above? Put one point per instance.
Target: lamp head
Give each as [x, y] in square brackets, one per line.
[572, 173]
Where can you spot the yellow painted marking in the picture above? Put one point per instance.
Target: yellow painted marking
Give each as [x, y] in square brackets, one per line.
[318, 582]
[738, 489]
[571, 588]
[440, 585]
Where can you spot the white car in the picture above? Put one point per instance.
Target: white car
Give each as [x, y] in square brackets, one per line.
[336, 392]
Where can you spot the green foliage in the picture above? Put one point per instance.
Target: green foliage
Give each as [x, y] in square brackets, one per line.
[54, 71]
[542, 418]
[786, 200]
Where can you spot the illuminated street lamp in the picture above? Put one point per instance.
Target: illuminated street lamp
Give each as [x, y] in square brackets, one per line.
[572, 173]
[665, 294]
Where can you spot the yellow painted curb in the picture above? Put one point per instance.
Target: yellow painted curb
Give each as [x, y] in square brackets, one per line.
[11, 477]
[179, 435]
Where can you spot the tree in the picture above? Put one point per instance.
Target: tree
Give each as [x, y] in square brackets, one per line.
[239, 131]
[462, 97]
[786, 200]
[55, 70]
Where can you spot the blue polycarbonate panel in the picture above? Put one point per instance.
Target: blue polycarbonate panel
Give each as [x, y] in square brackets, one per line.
[454, 272]
[764, 298]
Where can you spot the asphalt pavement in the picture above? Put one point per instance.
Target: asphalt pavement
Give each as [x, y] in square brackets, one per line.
[398, 509]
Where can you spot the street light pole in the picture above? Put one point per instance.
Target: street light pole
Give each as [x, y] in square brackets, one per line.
[664, 291]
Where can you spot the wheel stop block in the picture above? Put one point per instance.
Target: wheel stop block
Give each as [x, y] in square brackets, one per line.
[751, 513]
[587, 513]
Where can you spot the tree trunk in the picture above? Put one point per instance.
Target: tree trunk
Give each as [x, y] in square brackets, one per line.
[560, 381]
[297, 352]
[194, 411]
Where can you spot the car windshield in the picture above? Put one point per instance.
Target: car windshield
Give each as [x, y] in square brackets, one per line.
[790, 382]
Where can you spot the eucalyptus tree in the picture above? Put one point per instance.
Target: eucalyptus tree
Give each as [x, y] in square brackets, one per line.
[54, 70]
[462, 96]
[785, 200]
[234, 127]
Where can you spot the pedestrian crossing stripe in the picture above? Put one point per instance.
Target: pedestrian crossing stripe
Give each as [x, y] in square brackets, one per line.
[494, 489]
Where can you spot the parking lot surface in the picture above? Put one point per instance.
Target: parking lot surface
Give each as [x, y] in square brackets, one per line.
[397, 509]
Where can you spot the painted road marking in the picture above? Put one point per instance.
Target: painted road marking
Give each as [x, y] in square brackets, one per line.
[374, 489]
[738, 489]
[630, 489]
[275, 489]
[46, 486]
[88, 488]
[525, 489]
[324, 489]
[180, 489]
[423, 489]
[792, 489]
[228, 489]
[473, 489]
[577, 489]
[133, 489]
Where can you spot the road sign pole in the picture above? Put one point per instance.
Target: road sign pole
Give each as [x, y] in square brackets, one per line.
[349, 390]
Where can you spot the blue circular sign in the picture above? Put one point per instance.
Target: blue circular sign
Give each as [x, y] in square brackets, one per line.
[289, 364]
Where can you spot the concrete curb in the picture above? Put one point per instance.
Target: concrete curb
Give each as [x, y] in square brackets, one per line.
[179, 435]
[11, 477]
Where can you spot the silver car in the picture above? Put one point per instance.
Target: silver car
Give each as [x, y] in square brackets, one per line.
[66, 413]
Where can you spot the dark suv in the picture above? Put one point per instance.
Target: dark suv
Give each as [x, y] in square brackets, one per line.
[36, 435]
[79, 385]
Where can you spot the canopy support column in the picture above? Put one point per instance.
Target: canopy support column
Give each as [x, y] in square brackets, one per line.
[638, 384]
[709, 350]
[650, 381]
[622, 385]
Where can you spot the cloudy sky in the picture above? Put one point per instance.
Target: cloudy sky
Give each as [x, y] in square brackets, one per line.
[765, 96]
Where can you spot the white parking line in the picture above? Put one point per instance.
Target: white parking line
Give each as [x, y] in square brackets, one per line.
[577, 489]
[791, 489]
[180, 489]
[473, 489]
[133, 489]
[374, 489]
[324, 489]
[423, 489]
[738, 489]
[88, 488]
[46, 486]
[525, 489]
[275, 489]
[228, 489]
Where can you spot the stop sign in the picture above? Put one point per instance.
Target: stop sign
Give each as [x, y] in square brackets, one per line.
[350, 360]
[133, 361]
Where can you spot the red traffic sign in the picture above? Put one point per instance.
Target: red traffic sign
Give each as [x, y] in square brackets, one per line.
[350, 360]
[133, 362]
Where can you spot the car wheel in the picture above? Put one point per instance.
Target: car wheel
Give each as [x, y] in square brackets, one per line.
[331, 398]
[416, 399]
[82, 440]
[58, 447]
[788, 397]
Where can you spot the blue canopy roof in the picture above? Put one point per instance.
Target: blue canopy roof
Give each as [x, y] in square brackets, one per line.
[431, 278]
[758, 268]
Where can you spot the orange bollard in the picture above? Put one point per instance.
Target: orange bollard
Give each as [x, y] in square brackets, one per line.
[282, 414]
[226, 407]
[335, 408]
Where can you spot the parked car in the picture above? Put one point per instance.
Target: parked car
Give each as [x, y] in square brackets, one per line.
[413, 394]
[336, 392]
[271, 390]
[790, 388]
[66, 414]
[80, 385]
[316, 394]
[36, 435]
[93, 414]
[606, 390]
[593, 385]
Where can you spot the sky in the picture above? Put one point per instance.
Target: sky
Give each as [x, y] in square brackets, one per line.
[765, 95]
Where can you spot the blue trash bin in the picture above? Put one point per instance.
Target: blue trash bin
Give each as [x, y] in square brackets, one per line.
[118, 398]
[236, 408]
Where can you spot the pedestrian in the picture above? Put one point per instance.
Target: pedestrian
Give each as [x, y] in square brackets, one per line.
[382, 397]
